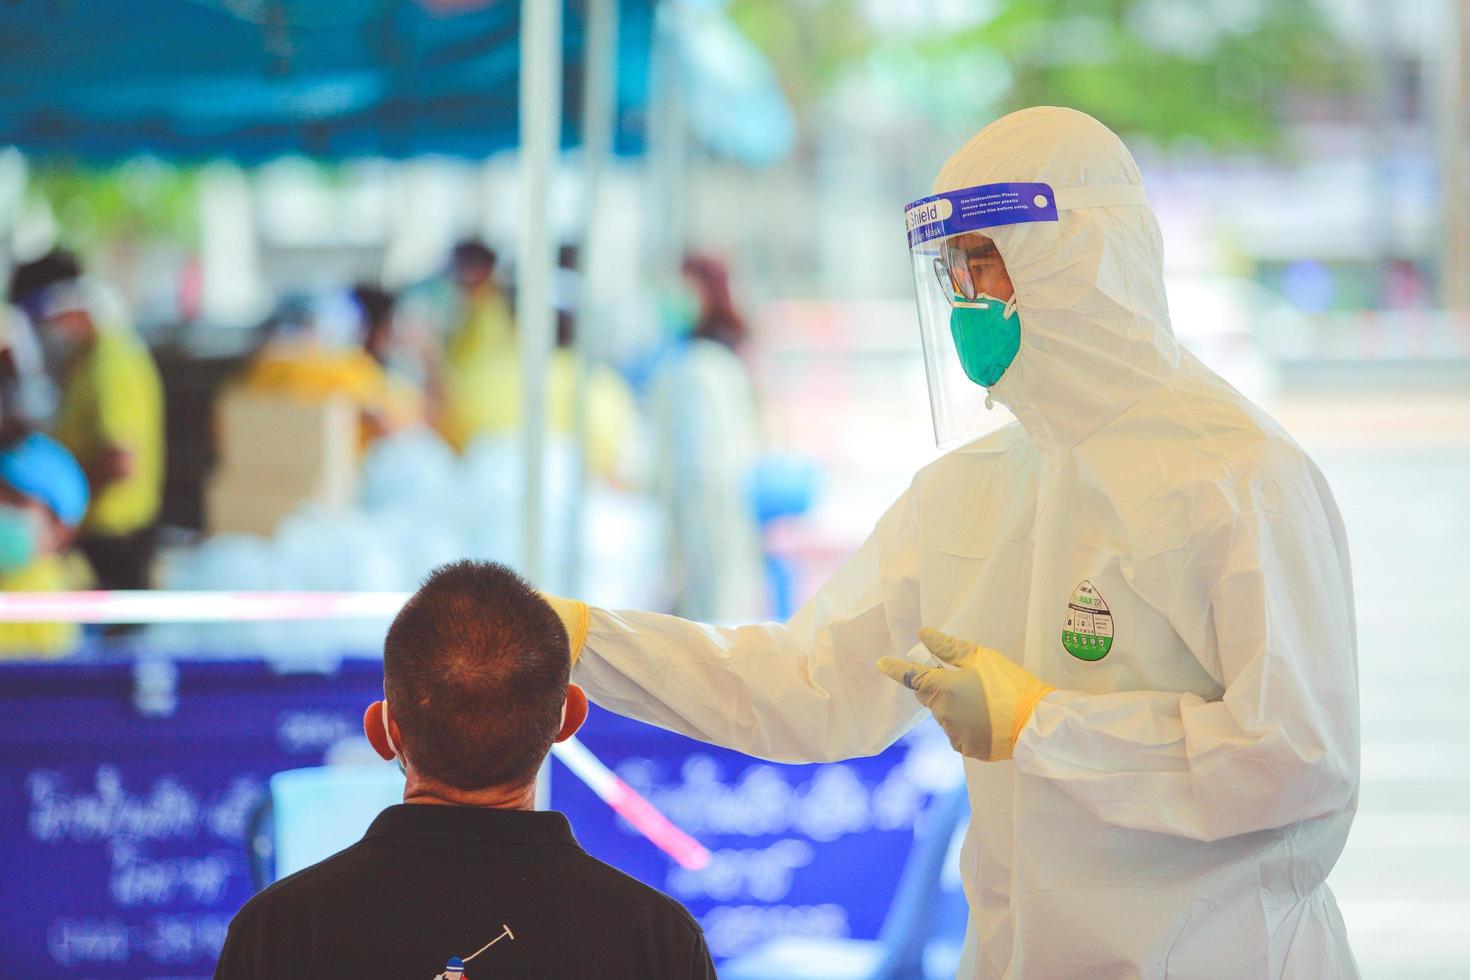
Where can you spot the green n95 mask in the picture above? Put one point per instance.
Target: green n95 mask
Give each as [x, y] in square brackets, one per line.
[987, 335]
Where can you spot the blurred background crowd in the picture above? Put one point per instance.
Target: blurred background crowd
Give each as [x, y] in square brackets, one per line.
[303, 371]
[260, 350]
[357, 436]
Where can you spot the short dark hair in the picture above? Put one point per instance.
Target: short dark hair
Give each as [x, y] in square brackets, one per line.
[375, 302]
[717, 318]
[29, 279]
[475, 668]
[472, 251]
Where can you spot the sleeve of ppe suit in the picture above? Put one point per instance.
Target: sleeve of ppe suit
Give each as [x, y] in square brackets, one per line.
[1273, 620]
[805, 691]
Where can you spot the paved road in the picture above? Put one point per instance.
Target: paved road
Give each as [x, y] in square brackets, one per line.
[1404, 879]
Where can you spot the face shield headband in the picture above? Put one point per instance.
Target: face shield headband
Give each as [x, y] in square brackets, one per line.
[970, 338]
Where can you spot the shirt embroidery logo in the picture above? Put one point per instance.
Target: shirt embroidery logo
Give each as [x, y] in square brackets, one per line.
[1088, 633]
[454, 969]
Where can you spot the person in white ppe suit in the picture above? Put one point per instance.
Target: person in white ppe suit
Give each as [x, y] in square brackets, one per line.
[1138, 595]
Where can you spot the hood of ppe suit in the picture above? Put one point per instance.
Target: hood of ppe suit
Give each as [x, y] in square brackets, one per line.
[1095, 334]
[1152, 545]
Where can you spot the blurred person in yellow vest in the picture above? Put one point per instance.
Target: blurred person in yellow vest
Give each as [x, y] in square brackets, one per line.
[378, 335]
[111, 419]
[489, 401]
[43, 497]
[328, 344]
[483, 313]
[479, 349]
[405, 355]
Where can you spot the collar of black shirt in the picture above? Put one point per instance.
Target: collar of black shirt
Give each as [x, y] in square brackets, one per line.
[476, 823]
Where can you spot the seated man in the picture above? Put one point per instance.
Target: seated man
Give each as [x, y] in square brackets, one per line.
[465, 878]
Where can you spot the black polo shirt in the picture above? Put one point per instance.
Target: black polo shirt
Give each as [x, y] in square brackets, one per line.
[428, 883]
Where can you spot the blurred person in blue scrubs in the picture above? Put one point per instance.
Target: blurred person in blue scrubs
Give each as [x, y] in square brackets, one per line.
[43, 496]
[708, 436]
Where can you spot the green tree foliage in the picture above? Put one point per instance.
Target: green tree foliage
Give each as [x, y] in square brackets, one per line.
[142, 198]
[1209, 72]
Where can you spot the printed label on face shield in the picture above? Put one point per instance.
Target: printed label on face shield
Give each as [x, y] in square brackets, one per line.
[973, 208]
[1088, 633]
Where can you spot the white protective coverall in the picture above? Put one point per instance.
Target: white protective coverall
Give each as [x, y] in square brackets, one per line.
[1174, 808]
[709, 442]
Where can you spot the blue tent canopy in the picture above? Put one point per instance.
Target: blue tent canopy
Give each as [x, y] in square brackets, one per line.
[255, 79]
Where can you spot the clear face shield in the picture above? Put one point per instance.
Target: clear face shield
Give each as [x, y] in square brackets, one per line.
[970, 336]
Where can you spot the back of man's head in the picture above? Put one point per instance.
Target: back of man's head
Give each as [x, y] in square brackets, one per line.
[475, 671]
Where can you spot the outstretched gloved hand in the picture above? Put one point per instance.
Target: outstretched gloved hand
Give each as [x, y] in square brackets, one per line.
[573, 615]
[982, 700]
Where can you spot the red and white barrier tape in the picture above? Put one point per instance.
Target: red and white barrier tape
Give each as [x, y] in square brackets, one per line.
[241, 607]
[195, 607]
[625, 801]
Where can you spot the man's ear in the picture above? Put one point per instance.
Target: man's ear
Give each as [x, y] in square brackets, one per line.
[575, 713]
[372, 727]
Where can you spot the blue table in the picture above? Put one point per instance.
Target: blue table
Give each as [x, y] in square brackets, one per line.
[122, 832]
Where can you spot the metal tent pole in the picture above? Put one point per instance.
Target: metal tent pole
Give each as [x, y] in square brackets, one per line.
[599, 112]
[1454, 156]
[540, 132]
[668, 149]
[540, 135]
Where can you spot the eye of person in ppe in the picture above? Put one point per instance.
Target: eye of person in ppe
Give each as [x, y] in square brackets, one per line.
[983, 320]
[973, 267]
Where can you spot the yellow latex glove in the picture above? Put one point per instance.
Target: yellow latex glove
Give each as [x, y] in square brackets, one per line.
[573, 614]
[983, 705]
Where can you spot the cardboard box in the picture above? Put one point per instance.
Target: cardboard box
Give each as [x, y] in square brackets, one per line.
[231, 509]
[277, 432]
[277, 453]
[330, 488]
